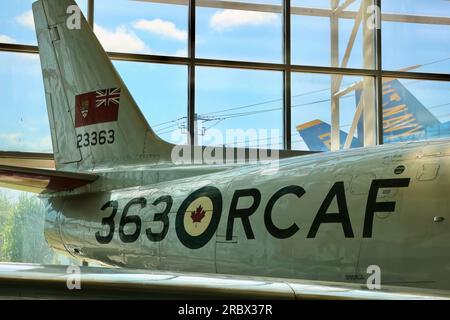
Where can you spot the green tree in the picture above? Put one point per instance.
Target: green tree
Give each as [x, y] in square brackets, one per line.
[23, 232]
[5, 212]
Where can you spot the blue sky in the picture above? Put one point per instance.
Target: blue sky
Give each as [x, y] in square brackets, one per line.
[161, 90]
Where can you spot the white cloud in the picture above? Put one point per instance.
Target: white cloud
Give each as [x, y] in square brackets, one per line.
[181, 53]
[162, 28]
[226, 20]
[6, 39]
[26, 19]
[120, 40]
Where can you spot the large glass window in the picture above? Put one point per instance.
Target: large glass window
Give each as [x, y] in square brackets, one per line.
[322, 4]
[161, 93]
[420, 41]
[142, 27]
[22, 219]
[230, 100]
[323, 33]
[24, 126]
[331, 36]
[17, 22]
[415, 110]
[242, 31]
[24, 122]
[313, 102]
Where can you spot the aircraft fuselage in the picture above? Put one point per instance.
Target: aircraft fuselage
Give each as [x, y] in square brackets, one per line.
[321, 217]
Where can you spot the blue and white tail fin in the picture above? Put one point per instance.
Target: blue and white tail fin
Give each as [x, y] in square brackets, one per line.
[317, 136]
[404, 116]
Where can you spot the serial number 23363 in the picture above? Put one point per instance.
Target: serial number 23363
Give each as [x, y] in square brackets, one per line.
[95, 138]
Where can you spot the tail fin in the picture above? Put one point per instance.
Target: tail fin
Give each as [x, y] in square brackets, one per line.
[317, 136]
[404, 116]
[94, 120]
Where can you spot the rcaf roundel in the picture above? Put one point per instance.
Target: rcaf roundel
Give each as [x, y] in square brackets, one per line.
[198, 217]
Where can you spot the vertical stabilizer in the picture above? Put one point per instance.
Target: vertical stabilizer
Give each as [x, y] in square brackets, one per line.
[94, 120]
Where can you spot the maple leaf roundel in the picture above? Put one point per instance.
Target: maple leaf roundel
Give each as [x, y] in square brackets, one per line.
[198, 217]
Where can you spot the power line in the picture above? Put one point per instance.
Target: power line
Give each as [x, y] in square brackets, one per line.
[265, 102]
[170, 121]
[220, 116]
[250, 113]
[435, 62]
[301, 140]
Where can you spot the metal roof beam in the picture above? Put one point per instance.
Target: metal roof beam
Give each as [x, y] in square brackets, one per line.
[305, 11]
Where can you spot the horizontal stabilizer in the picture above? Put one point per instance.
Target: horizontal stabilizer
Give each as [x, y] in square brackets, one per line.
[42, 180]
[27, 159]
[317, 136]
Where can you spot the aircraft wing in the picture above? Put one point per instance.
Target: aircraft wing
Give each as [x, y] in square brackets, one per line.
[41, 180]
[39, 282]
[27, 159]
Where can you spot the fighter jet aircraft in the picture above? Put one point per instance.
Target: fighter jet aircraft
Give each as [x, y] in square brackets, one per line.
[116, 196]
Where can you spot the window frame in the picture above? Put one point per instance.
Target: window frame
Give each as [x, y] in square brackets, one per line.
[191, 61]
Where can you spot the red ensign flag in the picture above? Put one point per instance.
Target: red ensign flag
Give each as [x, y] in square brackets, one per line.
[97, 107]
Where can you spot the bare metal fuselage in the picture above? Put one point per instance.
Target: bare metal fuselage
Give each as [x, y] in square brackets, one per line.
[320, 217]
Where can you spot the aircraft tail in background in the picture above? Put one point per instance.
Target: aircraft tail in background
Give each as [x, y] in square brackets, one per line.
[405, 118]
[317, 136]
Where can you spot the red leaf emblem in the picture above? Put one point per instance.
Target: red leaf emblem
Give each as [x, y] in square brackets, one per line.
[198, 215]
